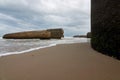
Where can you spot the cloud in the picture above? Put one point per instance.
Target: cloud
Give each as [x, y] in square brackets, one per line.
[71, 15]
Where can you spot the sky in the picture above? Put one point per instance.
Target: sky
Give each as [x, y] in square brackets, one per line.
[24, 15]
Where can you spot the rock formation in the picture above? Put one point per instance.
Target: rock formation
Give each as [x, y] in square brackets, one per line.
[56, 33]
[44, 34]
[89, 35]
[28, 35]
[105, 26]
[80, 36]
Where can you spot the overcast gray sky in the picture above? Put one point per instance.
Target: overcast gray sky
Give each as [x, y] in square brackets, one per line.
[22, 15]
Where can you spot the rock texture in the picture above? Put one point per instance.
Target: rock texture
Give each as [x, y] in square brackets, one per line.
[106, 26]
[28, 35]
[56, 33]
[44, 34]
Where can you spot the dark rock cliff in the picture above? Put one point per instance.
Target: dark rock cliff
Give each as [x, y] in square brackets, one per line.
[105, 26]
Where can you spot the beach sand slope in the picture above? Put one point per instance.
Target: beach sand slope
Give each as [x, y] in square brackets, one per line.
[61, 62]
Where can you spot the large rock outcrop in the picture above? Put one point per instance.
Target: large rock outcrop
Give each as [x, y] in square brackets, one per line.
[28, 35]
[56, 33]
[44, 34]
[106, 26]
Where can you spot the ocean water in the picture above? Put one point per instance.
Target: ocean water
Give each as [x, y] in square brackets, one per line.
[17, 46]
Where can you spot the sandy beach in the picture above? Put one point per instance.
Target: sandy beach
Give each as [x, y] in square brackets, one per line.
[62, 62]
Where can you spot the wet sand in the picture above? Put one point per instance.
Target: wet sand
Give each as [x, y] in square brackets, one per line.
[61, 62]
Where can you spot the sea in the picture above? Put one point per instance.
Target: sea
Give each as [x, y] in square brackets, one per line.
[18, 46]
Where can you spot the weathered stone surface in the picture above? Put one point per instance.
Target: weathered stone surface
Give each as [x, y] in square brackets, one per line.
[56, 33]
[28, 35]
[106, 26]
[44, 34]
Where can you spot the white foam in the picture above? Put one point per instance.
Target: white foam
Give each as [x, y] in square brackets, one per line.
[53, 42]
[32, 49]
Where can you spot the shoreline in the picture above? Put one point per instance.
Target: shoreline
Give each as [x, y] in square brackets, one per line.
[26, 51]
[34, 49]
[82, 40]
[76, 61]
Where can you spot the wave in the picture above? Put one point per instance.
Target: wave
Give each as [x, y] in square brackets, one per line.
[29, 50]
[12, 46]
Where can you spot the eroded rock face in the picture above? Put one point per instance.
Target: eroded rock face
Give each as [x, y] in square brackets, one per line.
[106, 26]
[56, 33]
[44, 34]
[28, 35]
